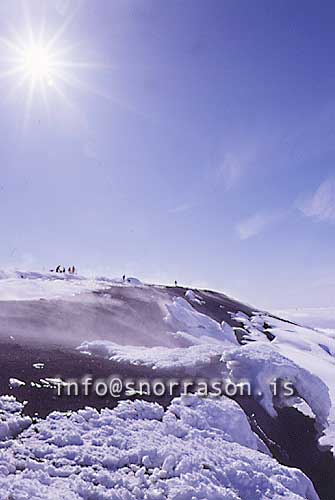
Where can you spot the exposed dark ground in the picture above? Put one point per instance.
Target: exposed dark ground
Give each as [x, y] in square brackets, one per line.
[17, 360]
[291, 437]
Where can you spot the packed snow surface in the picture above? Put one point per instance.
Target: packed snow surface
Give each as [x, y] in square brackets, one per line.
[195, 449]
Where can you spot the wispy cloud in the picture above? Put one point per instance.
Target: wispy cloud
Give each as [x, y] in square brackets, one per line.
[254, 225]
[321, 205]
[180, 208]
[237, 160]
[230, 170]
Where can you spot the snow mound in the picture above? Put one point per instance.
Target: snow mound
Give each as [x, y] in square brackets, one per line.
[312, 351]
[261, 365]
[195, 449]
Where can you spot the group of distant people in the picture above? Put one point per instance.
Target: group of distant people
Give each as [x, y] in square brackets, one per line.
[61, 269]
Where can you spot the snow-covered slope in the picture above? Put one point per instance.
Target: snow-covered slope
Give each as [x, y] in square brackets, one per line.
[204, 448]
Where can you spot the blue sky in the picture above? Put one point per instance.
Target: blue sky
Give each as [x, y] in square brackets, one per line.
[194, 141]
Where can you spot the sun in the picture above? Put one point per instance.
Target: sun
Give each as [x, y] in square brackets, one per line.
[37, 63]
[35, 66]
[42, 66]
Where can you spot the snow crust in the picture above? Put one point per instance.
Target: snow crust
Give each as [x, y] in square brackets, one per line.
[262, 365]
[298, 353]
[195, 449]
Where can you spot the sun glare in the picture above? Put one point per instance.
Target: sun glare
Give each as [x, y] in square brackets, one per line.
[37, 62]
[41, 66]
[35, 66]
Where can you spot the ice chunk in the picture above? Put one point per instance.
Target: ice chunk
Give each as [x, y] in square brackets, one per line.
[15, 382]
[191, 296]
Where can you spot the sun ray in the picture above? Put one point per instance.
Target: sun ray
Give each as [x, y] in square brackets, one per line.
[10, 72]
[15, 88]
[80, 64]
[45, 99]
[29, 25]
[28, 103]
[61, 30]
[74, 82]
[11, 46]
[41, 35]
